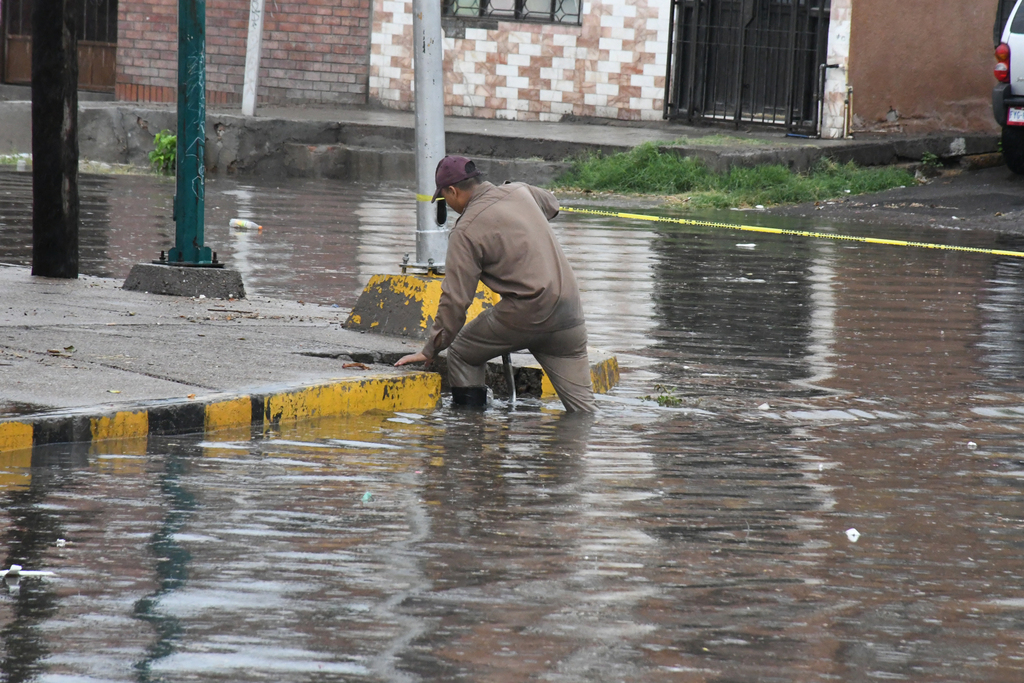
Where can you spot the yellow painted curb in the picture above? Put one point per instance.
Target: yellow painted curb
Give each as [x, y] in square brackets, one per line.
[409, 392]
[126, 431]
[122, 425]
[15, 435]
[228, 414]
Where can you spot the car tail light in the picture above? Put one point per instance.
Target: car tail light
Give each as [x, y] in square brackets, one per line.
[1002, 70]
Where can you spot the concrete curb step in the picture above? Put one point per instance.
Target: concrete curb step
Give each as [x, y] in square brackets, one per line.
[122, 132]
[531, 380]
[380, 391]
[802, 157]
[529, 376]
[373, 164]
[368, 164]
[183, 365]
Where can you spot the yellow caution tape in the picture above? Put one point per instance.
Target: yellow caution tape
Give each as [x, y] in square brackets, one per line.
[424, 197]
[797, 233]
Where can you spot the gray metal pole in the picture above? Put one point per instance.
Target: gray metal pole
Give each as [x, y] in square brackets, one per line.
[431, 234]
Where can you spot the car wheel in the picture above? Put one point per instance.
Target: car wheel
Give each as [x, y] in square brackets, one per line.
[1013, 148]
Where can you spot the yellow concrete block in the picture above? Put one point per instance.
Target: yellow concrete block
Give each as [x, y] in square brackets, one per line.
[15, 435]
[483, 299]
[406, 305]
[413, 391]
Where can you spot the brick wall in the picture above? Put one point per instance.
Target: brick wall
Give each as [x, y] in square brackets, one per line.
[147, 46]
[611, 66]
[314, 51]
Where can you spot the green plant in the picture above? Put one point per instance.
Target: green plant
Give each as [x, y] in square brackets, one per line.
[165, 149]
[929, 160]
[666, 398]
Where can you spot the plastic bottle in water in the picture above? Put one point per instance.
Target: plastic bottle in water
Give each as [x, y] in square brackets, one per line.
[243, 224]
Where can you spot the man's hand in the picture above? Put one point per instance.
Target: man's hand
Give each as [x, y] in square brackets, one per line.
[417, 357]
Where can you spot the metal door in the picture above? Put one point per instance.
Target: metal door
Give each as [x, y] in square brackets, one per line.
[753, 61]
[97, 43]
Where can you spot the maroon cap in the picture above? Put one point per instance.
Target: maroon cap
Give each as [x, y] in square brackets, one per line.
[452, 170]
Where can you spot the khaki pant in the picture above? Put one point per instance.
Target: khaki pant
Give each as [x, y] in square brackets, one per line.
[562, 354]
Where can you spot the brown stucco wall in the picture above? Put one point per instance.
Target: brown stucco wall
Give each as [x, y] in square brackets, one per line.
[929, 61]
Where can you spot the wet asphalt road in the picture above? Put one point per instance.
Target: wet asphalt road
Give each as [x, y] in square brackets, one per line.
[988, 199]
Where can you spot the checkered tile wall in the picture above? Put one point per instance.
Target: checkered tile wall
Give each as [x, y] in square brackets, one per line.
[612, 66]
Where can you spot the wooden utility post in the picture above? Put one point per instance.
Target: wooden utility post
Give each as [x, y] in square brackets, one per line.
[55, 138]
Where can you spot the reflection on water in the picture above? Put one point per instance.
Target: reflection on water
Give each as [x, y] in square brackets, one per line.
[824, 386]
[320, 241]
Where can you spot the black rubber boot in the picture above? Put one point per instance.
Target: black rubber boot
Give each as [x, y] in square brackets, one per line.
[470, 397]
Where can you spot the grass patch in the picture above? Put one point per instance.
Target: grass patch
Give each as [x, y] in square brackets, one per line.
[103, 168]
[718, 140]
[12, 159]
[645, 170]
[84, 166]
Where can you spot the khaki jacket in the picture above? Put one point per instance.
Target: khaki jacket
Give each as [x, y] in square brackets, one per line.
[503, 239]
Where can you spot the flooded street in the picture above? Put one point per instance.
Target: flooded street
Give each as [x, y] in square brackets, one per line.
[807, 388]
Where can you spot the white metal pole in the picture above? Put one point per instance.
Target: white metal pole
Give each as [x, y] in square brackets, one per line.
[431, 236]
[252, 57]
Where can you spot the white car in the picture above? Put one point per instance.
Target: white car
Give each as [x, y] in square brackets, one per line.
[1008, 96]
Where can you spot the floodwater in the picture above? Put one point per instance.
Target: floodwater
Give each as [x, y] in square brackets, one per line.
[818, 387]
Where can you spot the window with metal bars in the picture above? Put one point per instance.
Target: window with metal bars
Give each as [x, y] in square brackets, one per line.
[97, 20]
[756, 61]
[96, 28]
[532, 11]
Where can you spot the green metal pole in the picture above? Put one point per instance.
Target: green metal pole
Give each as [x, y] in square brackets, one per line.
[191, 174]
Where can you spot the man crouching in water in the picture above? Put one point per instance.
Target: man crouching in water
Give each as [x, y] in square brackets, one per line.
[503, 238]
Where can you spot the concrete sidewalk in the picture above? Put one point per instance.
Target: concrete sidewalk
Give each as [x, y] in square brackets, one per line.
[85, 360]
[374, 145]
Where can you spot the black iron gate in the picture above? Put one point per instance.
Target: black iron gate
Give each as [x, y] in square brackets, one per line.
[753, 61]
